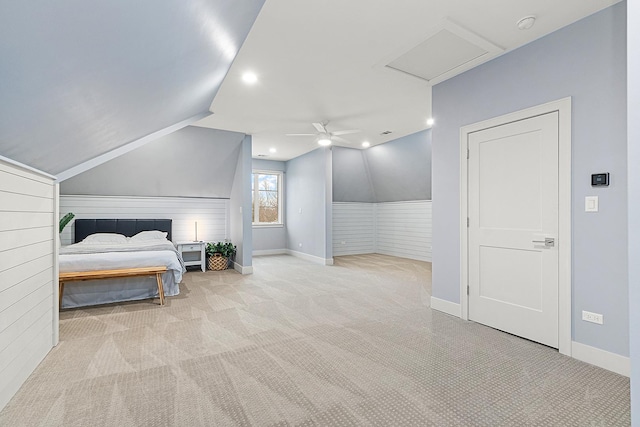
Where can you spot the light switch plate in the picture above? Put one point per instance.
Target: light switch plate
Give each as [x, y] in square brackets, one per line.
[591, 204]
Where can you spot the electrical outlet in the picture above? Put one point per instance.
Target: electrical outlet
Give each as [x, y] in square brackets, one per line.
[299, 245]
[343, 242]
[587, 316]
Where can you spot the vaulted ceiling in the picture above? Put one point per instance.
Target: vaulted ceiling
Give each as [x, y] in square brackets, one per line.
[80, 79]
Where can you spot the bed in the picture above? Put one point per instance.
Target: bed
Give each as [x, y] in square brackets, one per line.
[104, 244]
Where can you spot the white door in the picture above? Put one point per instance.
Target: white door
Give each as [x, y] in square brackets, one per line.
[513, 228]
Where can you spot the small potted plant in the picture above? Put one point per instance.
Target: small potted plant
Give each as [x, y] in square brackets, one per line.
[219, 255]
[65, 220]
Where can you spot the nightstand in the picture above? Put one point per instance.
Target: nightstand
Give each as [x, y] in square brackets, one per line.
[193, 254]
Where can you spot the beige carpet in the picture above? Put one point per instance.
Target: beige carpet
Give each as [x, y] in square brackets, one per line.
[354, 344]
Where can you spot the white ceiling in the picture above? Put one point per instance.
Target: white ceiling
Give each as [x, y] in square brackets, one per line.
[325, 60]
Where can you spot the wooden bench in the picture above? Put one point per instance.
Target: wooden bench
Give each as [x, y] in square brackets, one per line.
[77, 276]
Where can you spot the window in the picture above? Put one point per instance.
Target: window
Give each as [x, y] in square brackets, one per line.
[266, 197]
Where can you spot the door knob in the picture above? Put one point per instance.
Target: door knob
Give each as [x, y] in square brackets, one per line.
[548, 242]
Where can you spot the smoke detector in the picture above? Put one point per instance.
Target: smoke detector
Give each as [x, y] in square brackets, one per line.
[526, 22]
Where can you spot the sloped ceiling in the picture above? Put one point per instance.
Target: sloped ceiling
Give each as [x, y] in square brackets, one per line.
[78, 79]
[191, 162]
[399, 170]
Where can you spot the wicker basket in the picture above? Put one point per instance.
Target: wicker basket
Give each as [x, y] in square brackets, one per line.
[217, 262]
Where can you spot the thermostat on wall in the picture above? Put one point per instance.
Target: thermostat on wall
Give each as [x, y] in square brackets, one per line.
[600, 179]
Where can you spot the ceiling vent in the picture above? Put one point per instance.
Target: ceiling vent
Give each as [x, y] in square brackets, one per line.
[386, 132]
[448, 51]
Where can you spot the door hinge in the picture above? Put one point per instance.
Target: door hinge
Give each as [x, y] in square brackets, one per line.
[467, 222]
[467, 154]
[467, 289]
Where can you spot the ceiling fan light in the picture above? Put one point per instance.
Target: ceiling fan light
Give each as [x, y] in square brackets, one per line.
[324, 141]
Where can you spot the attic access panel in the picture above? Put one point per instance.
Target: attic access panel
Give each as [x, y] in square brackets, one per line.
[447, 52]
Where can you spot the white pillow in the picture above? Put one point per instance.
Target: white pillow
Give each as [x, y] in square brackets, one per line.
[149, 235]
[105, 239]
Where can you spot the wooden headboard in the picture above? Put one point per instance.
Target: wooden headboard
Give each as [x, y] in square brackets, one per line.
[128, 227]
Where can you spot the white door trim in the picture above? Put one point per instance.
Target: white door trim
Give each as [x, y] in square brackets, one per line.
[563, 107]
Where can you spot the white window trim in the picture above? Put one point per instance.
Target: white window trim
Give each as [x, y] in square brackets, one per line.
[280, 174]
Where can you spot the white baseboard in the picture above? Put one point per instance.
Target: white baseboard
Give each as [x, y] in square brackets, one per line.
[312, 258]
[601, 358]
[398, 254]
[445, 306]
[242, 269]
[269, 252]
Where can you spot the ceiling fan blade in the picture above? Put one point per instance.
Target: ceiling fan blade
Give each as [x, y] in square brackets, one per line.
[320, 127]
[300, 134]
[346, 132]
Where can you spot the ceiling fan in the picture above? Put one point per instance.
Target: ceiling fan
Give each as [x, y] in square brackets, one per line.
[323, 136]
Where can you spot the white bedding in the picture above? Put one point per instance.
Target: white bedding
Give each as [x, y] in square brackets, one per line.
[84, 257]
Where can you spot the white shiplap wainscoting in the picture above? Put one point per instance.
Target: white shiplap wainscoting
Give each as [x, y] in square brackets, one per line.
[400, 229]
[27, 274]
[212, 215]
[404, 229]
[354, 228]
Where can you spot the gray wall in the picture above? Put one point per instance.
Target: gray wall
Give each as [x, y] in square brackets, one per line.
[633, 146]
[240, 206]
[191, 162]
[586, 61]
[270, 238]
[399, 170]
[328, 205]
[351, 176]
[308, 205]
[268, 165]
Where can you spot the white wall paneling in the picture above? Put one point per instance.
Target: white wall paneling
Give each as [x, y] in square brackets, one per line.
[401, 229]
[27, 273]
[404, 229]
[354, 228]
[56, 266]
[212, 215]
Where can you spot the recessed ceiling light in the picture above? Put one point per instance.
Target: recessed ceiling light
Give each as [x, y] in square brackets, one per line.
[249, 78]
[324, 141]
[430, 121]
[366, 144]
[272, 150]
[526, 22]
